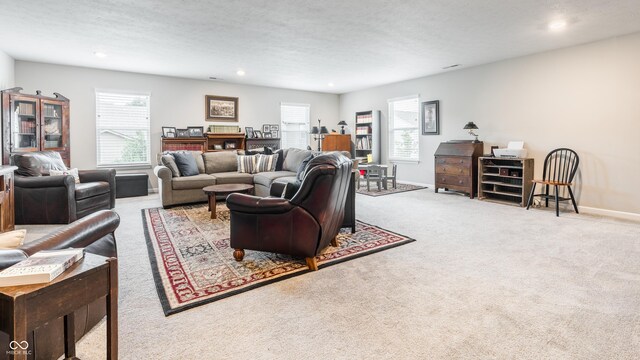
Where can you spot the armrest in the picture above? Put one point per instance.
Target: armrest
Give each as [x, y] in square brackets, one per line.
[106, 175]
[80, 233]
[9, 257]
[163, 173]
[35, 182]
[257, 205]
[277, 189]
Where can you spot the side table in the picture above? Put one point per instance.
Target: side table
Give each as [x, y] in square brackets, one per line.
[212, 190]
[26, 307]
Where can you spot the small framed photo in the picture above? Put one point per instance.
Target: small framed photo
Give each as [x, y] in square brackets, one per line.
[431, 117]
[265, 128]
[274, 127]
[249, 132]
[275, 134]
[217, 147]
[267, 135]
[168, 132]
[258, 134]
[182, 133]
[229, 144]
[196, 131]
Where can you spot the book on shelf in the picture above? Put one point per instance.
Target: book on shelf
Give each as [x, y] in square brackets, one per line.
[25, 108]
[363, 118]
[41, 267]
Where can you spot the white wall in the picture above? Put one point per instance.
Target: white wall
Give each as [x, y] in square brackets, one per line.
[174, 102]
[7, 65]
[586, 98]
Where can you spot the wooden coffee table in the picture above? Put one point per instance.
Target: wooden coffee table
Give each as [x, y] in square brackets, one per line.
[212, 190]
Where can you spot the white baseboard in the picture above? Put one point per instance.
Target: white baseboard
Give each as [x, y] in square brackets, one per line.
[611, 213]
[153, 190]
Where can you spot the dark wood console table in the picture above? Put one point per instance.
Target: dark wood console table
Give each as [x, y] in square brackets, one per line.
[456, 166]
[27, 307]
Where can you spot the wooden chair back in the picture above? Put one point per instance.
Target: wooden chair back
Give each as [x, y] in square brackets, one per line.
[560, 166]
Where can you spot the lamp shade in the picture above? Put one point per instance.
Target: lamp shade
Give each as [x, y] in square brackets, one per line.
[314, 130]
[323, 130]
[470, 126]
[342, 123]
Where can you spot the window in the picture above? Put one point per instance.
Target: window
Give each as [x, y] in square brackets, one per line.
[122, 128]
[294, 120]
[404, 128]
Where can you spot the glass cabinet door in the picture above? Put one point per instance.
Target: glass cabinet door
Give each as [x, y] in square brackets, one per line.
[24, 125]
[51, 126]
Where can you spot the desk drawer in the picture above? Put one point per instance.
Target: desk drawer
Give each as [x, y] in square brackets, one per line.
[461, 181]
[447, 169]
[453, 160]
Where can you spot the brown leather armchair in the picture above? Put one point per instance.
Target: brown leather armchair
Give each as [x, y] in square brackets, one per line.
[302, 226]
[43, 199]
[96, 234]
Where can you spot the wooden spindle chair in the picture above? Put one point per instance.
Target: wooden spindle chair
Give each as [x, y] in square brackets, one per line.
[560, 167]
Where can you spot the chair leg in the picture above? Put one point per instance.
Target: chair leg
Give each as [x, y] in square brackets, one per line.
[533, 190]
[238, 254]
[557, 202]
[395, 184]
[546, 198]
[334, 241]
[368, 187]
[573, 200]
[312, 263]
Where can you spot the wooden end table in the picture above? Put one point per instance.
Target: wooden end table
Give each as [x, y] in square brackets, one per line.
[212, 190]
[27, 307]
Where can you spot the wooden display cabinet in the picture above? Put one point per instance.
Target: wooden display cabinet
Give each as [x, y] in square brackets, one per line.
[34, 123]
[505, 180]
[223, 141]
[337, 142]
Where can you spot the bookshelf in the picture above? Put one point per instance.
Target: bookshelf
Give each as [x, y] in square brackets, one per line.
[505, 180]
[367, 135]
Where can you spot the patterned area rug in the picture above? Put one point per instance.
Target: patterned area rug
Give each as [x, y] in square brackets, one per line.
[193, 264]
[390, 190]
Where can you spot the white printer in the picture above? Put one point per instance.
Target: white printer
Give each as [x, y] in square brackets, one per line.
[515, 149]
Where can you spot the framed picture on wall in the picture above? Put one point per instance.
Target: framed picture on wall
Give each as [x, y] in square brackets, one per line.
[431, 117]
[221, 108]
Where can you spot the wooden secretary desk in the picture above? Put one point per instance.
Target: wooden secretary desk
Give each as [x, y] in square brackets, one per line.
[456, 166]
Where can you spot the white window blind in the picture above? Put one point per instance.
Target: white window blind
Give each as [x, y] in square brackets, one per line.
[403, 128]
[122, 128]
[294, 128]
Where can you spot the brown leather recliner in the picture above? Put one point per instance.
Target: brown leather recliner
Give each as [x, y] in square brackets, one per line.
[43, 199]
[302, 226]
[96, 234]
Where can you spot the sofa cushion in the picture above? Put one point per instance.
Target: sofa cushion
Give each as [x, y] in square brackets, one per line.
[281, 155]
[303, 166]
[294, 158]
[186, 164]
[192, 182]
[170, 163]
[266, 163]
[266, 178]
[233, 177]
[220, 161]
[90, 189]
[38, 163]
[246, 164]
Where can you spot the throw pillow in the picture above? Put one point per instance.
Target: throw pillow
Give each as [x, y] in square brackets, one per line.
[246, 164]
[280, 161]
[12, 239]
[303, 167]
[291, 189]
[72, 172]
[169, 162]
[186, 163]
[266, 163]
[294, 158]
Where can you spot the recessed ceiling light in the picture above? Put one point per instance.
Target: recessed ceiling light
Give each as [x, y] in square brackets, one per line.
[557, 25]
[99, 54]
[330, 84]
[240, 72]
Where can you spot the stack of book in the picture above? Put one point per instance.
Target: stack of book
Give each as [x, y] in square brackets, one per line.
[363, 118]
[41, 267]
[224, 129]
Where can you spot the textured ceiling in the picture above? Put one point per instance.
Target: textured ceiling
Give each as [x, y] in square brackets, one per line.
[301, 44]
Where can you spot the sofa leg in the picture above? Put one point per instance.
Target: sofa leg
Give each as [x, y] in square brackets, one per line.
[238, 254]
[312, 263]
[334, 241]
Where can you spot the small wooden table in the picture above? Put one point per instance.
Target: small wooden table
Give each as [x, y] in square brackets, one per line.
[27, 307]
[212, 190]
[384, 168]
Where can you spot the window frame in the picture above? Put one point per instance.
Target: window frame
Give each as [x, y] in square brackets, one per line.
[391, 129]
[147, 128]
[308, 122]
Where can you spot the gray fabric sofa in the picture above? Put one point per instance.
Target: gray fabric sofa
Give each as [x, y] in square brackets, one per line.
[222, 168]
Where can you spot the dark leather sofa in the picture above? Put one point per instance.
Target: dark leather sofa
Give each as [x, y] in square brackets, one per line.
[301, 226]
[44, 199]
[96, 234]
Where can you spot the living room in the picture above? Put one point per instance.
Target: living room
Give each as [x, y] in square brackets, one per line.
[458, 277]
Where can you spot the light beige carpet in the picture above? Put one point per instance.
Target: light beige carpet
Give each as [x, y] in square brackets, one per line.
[482, 280]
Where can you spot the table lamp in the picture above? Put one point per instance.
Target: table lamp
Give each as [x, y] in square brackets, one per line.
[343, 124]
[471, 126]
